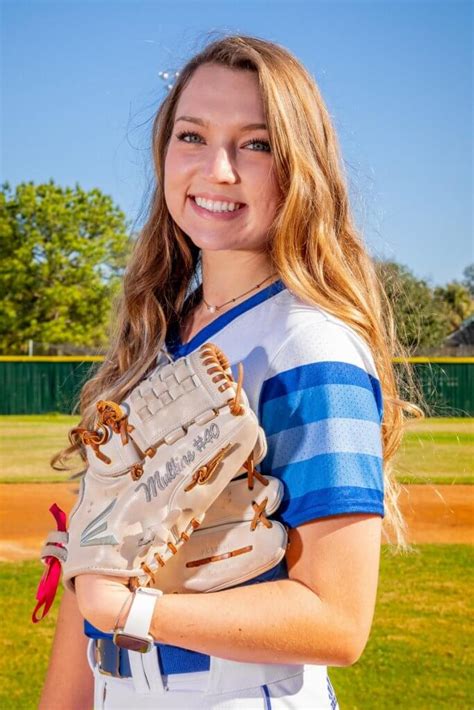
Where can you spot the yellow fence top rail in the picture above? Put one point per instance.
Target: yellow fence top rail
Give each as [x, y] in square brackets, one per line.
[456, 360]
[100, 358]
[51, 358]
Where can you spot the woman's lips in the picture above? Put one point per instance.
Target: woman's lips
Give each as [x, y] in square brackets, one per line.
[223, 216]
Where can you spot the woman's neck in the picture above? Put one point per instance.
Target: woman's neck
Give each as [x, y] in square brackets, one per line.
[227, 279]
[230, 285]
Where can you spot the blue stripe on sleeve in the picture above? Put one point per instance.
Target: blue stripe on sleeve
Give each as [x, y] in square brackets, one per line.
[315, 403]
[319, 373]
[336, 470]
[330, 501]
[328, 484]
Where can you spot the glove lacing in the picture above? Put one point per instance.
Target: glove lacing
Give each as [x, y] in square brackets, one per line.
[110, 414]
[220, 365]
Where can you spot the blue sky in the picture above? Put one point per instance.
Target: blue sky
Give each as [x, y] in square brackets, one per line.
[80, 86]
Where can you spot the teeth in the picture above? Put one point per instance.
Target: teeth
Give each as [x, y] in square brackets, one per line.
[216, 206]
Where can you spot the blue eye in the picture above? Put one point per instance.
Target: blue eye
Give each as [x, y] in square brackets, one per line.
[192, 134]
[187, 134]
[262, 142]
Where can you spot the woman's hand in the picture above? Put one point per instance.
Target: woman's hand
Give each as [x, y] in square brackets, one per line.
[102, 600]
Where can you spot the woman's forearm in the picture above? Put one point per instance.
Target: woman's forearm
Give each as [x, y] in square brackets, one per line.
[271, 622]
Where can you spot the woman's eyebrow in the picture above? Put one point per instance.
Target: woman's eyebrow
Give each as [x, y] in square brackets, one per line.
[201, 122]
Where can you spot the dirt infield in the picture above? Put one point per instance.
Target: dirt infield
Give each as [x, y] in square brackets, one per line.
[434, 514]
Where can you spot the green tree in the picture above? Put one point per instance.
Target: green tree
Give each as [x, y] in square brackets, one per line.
[456, 302]
[62, 253]
[420, 320]
[468, 282]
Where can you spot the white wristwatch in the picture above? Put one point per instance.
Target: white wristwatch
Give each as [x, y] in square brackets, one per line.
[135, 636]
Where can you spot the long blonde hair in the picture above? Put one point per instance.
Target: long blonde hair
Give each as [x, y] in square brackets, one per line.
[314, 246]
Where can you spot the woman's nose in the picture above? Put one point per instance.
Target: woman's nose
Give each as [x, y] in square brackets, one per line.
[220, 166]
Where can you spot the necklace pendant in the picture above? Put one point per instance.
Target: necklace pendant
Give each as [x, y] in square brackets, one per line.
[211, 309]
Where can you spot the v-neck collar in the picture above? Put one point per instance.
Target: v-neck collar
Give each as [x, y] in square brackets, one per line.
[173, 341]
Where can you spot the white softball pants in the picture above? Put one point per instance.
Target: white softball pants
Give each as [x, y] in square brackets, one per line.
[307, 690]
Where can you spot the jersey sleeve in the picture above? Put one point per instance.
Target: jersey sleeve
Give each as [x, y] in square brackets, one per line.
[321, 408]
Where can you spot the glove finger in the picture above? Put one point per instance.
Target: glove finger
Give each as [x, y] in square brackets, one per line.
[222, 557]
[235, 503]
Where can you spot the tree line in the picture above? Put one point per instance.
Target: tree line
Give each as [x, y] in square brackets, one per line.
[63, 252]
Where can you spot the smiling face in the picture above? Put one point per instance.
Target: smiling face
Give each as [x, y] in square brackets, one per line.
[221, 156]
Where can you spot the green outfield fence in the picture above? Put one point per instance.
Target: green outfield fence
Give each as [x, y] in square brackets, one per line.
[40, 385]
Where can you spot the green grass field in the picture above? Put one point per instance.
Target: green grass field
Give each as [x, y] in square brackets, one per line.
[420, 654]
[433, 451]
[437, 451]
[28, 442]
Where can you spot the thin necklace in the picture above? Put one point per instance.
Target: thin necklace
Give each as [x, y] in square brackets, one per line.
[213, 309]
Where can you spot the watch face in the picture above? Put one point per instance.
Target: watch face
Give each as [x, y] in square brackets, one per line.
[132, 643]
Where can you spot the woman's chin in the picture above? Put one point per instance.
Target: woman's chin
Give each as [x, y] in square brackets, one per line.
[210, 243]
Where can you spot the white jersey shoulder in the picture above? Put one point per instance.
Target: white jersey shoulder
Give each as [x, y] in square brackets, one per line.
[282, 333]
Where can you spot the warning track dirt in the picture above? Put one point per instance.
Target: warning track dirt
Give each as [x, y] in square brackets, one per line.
[434, 513]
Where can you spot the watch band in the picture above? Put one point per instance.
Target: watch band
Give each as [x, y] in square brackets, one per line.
[141, 612]
[135, 636]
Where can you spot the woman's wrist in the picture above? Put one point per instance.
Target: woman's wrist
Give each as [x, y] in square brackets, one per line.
[123, 613]
[102, 600]
[158, 620]
[106, 601]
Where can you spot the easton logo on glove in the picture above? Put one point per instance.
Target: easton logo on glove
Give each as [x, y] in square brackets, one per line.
[158, 462]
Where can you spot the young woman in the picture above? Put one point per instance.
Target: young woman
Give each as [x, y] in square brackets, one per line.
[251, 208]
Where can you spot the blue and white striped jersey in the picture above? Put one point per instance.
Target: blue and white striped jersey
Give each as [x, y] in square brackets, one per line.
[312, 381]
